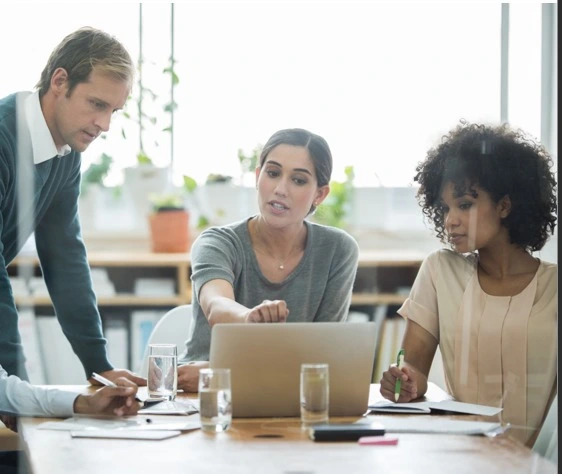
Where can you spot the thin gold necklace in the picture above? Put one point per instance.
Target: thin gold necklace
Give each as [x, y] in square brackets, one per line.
[281, 263]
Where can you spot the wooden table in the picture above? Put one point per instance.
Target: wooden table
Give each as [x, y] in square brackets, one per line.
[277, 445]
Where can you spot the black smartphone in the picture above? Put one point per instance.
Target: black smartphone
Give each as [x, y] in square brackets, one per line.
[345, 431]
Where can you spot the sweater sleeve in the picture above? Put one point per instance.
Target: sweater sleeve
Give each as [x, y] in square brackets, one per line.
[11, 351]
[18, 397]
[66, 271]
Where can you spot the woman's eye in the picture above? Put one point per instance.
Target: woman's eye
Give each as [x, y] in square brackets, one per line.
[272, 173]
[465, 205]
[299, 181]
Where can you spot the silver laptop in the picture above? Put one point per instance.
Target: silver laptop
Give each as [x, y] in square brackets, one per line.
[265, 362]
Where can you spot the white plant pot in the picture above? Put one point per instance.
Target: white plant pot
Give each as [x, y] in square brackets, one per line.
[224, 203]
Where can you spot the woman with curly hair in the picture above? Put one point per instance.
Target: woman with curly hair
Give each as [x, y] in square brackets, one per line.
[489, 304]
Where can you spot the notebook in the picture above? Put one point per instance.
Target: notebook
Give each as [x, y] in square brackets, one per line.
[265, 362]
[385, 406]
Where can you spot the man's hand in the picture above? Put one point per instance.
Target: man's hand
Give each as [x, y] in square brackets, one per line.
[115, 374]
[117, 401]
[267, 311]
[188, 375]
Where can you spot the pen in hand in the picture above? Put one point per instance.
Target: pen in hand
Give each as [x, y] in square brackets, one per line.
[107, 382]
[399, 364]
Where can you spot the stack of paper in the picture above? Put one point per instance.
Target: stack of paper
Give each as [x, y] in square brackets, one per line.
[103, 286]
[125, 428]
[38, 287]
[19, 286]
[432, 424]
[154, 287]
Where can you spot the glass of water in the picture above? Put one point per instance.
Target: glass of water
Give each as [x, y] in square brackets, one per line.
[162, 371]
[314, 394]
[215, 407]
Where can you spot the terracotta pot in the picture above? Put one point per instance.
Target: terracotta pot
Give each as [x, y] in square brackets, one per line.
[169, 231]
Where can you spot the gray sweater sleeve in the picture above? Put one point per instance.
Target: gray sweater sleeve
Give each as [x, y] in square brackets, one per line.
[336, 293]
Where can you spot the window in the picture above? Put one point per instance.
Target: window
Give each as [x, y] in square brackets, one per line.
[381, 81]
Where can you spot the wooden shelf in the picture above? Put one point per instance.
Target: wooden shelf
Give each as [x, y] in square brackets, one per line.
[369, 259]
[117, 300]
[377, 298]
[390, 258]
[123, 259]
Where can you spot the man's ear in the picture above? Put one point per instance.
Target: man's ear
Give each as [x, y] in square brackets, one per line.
[59, 81]
[504, 206]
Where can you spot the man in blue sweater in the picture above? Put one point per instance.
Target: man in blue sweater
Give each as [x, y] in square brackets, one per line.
[87, 78]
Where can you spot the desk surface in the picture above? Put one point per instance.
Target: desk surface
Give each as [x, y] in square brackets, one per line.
[285, 449]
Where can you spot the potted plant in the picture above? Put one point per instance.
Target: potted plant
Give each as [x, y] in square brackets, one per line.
[169, 223]
[170, 217]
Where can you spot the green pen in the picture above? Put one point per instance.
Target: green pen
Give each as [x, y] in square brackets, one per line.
[399, 364]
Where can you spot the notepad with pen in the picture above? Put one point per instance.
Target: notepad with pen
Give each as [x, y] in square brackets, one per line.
[385, 406]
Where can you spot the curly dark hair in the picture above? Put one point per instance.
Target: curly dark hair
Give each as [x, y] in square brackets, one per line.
[502, 161]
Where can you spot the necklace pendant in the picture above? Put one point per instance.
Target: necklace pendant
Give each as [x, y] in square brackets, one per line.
[281, 267]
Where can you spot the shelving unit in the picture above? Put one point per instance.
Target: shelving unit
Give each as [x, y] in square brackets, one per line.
[382, 273]
[383, 278]
[136, 260]
[379, 274]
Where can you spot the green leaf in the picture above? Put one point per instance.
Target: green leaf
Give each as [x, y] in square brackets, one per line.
[143, 158]
[189, 183]
[202, 222]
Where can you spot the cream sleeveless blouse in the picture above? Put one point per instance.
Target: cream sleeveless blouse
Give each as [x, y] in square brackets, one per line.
[497, 350]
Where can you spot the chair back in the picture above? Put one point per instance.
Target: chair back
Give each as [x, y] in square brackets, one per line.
[172, 328]
[546, 443]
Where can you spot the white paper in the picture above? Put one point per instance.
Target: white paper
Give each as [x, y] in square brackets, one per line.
[385, 406]
[125, 434]
[139, 423]
[177, 407]
[470, 408]
[434, 424]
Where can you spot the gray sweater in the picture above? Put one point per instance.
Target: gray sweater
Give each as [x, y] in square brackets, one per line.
[319, 289]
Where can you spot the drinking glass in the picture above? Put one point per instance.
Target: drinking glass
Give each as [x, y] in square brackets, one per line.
[162, 371]
[215, 407]
[314, 394]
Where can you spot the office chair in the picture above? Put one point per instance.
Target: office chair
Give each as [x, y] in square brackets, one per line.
[172, 328]
[546, 443]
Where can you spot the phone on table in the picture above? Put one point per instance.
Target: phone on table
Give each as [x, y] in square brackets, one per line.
[345, 431]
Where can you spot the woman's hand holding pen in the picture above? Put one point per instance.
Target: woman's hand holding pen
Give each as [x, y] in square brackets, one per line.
[408, 387]
[267, 311]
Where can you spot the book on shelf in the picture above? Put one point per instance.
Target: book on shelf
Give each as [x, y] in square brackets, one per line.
[117, 336]
[62, 366]
[30, 341]
[142, 323]
[391, 333]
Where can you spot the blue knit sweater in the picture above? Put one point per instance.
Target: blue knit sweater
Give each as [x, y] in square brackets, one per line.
[53, 215]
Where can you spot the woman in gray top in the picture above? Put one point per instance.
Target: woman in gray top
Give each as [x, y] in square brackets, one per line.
[276, 266]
